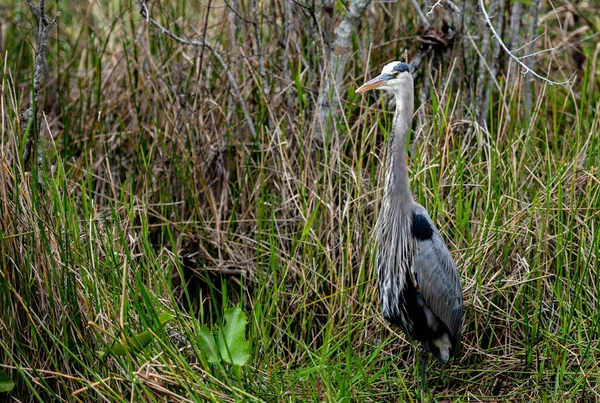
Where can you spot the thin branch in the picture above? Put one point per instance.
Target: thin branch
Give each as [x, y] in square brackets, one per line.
[539, 52]
[432, 8]
[519, 62]
[237, 14]
[528, 43]
[578, 42]
[560, 27]
[163, 30]
[146, 16]
[420, 13]
[204, 30]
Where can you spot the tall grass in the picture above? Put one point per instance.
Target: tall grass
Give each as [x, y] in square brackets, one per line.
[158, 198]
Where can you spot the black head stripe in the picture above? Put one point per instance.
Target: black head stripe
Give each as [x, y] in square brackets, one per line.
[401, 68]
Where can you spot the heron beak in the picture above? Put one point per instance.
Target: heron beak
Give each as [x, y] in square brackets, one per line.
[377, 82]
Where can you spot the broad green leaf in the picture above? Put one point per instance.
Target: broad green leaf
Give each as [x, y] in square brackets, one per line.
[165, 318]
[130, 344]
[232, 342]
[138, 342]
[209, 344]
[115, 349]
[6, 384]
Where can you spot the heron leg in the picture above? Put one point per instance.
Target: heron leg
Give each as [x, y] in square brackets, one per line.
[424, 357]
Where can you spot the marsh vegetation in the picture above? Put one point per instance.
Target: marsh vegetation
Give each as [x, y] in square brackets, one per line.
[221, 161]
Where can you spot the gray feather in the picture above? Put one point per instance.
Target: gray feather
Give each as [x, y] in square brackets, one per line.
[438, 279]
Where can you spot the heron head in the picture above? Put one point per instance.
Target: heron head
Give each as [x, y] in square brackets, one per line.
[394, 77]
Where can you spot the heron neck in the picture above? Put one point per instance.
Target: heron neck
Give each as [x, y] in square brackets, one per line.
[397, 184]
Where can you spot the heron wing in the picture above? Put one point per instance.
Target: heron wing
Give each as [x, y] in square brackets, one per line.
[437, 277]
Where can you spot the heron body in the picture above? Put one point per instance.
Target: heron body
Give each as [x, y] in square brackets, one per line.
[419, 285]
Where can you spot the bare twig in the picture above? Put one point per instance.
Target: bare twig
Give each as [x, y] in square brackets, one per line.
[525, 68]
[539, 52]
[560, 27]
[230, 78]
[420, 14]
[578, 42]
[233, 9]
[529, 43]
[146, 16]
[432, 8]
[28, 117]
[204, 36]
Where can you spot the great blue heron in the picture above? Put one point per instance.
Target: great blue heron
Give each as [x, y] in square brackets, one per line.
[419, 285]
